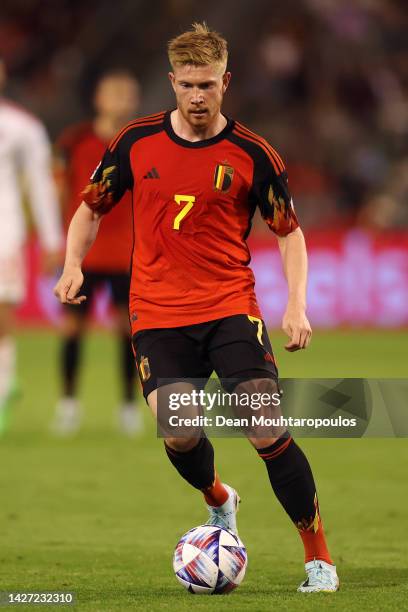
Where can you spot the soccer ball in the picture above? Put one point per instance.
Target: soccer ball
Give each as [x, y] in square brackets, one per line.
[209, 559]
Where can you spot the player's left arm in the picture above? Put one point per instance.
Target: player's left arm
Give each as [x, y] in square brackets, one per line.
[276, 206]
[294, 259]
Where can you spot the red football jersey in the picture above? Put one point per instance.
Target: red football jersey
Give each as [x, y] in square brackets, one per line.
[82, 150]
[192, 204]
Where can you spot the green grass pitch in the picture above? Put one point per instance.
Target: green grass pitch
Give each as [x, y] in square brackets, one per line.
[100, 514]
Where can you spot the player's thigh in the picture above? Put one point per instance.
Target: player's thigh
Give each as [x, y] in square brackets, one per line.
[241, 354]
[171, 370]
[178, 437]
[166, 356]
[177, 429]
[240, 349]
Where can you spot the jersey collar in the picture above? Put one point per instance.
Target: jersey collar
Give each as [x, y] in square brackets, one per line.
[198, 144]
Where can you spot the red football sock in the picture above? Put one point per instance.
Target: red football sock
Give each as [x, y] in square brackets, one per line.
[216, 494]
[314, 541]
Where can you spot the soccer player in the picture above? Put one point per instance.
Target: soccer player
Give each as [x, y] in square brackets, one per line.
[79, 149]
[197, 177]
[24, 170]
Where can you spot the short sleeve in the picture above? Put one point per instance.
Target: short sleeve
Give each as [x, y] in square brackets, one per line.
[110, 180]
[272, 194]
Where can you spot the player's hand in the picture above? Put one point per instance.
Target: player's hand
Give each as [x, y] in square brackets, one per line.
[296, 325]
[68, 286]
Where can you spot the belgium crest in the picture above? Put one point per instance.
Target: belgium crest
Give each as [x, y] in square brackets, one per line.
[223, 177]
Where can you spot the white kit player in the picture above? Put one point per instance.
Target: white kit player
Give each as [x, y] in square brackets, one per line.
[24, 169]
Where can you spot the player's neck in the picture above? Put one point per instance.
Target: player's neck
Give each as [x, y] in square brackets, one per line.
[184, 129]
[107, 127]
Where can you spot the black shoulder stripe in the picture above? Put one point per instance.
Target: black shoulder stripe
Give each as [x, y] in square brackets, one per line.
[264, 144]
[255, 152]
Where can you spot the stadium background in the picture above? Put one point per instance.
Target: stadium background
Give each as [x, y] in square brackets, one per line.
[327, 83]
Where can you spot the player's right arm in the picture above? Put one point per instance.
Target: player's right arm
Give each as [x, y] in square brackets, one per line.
[81, 235]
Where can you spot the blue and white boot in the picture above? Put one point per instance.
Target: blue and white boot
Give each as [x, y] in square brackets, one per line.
[225, 516]
[321, 578]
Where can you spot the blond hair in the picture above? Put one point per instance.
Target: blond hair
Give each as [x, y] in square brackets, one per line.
[199, 46]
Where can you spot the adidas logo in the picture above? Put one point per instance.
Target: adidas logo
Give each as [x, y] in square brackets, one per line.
[152, 174]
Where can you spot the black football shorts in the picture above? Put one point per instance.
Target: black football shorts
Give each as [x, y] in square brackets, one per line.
[235, 347]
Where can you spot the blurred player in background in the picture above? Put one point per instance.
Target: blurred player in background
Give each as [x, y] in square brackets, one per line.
[25, 170]
[79, 150]
[197, 177]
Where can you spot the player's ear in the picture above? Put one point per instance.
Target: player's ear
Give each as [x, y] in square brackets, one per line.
[226, 77]
[172, 80]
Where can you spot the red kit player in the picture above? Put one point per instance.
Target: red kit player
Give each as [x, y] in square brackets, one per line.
[79, 150]
[197, 178]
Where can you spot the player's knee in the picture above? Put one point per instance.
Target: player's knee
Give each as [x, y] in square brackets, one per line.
[257, 385]
[258, 395]
[258, 407]
[182, 445]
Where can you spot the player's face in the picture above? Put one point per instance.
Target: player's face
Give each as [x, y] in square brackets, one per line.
[117, 97]
[199, 92]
